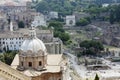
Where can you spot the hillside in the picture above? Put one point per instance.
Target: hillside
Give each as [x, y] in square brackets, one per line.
[68, 6]
[13, 2]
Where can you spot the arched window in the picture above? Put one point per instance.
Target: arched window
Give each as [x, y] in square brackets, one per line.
[30, 64]
[40, 63]
[71, 22]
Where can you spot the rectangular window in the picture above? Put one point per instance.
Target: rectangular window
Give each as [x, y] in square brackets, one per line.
[40, 63]
[30, 64]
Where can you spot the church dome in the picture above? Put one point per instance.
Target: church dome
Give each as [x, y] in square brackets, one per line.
[33, 45]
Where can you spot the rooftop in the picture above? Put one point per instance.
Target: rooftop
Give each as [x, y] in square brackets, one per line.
[54, 62]
[21, 32]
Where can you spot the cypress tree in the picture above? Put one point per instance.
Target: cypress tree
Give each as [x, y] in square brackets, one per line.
[96, 77]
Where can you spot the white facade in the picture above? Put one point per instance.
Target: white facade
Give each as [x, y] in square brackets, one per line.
[53, 14]
[13, 40]
[70, 20]
[39, 20]
[13, 43]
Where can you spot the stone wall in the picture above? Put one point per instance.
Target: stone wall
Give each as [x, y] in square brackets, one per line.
[49, 76]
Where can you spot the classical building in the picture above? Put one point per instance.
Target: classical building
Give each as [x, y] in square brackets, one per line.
[34, 61]
[39, 20]
[8, 73]
[8, 41]
[12, 40]
[70, 20]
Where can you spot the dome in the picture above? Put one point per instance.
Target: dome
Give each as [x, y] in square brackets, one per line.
[33, 45]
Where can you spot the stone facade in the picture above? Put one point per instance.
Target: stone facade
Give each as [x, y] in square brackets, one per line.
[37, 62]
[39, 21]
[10, 41]
[70, 20]
[7, 73]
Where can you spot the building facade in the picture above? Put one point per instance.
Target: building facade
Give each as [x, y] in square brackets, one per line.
[34, 61]
[39, 20]
[8, 41]
[70, 20]
[12, 40]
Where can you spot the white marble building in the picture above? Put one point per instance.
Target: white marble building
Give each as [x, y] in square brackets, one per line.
[39, 20]
[10, 41]
[70, 20]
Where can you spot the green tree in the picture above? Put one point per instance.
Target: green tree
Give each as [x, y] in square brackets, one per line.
[96, 77]
[59, 31]
[82, 22]
[91, 47]
[62, 6]
[8, 57]
[56, 25]
[21, 24]
[42, 6]
[111, 18]
[64, 37]
[114, 14]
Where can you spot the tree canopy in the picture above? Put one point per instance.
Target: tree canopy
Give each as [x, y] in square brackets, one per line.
[83, 21]
[61, 6]
[8, 57]
[114, 14]
[91, 47]
[59, 31]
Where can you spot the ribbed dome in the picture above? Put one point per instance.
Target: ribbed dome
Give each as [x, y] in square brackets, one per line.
[33, 45]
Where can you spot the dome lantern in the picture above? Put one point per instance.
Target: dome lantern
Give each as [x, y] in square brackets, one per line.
[32, 33]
